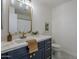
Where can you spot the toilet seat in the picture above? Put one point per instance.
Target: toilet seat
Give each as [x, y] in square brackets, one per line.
[56, 45]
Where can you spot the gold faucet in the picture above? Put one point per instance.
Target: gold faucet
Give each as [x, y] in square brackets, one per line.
[23, 35]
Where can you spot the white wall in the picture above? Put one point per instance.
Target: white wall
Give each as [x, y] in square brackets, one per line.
[12, 20]
[41, 14]
[64, 26]
[4, 31]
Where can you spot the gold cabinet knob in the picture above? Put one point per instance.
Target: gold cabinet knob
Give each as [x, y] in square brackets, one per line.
[34, 54]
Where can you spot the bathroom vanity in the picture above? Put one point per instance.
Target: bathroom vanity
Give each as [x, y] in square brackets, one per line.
[20, 50]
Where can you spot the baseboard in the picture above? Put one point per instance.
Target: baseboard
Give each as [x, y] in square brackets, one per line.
[70, 53]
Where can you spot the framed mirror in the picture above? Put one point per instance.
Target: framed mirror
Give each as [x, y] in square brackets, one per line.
[20, 19]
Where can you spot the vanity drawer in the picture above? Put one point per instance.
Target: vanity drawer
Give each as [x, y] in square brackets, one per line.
[48, 43]
[48, 53]
[41, 44]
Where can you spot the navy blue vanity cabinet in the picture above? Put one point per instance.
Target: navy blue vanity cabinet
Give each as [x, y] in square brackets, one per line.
[44, 52]
[21, 53]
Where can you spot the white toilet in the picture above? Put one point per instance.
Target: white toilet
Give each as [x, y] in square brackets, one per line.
[56, 51]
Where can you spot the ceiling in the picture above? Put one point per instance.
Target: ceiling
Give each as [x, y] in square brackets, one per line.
[51, 2]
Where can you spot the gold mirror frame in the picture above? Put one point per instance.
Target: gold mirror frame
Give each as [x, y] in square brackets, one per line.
[30, 15]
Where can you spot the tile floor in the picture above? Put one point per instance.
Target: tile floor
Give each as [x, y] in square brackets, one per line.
[63, 55]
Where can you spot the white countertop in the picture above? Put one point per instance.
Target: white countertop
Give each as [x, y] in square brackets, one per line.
[18, 43]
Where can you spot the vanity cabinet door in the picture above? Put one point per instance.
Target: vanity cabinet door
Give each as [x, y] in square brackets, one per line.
[38, 55]
[20, 53]
[48, 50]
[42, 53]
[41, 44]
[48, 43]
[48, 53]
[24, 57]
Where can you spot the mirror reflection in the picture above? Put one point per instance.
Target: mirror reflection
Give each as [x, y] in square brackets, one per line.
[20, 20]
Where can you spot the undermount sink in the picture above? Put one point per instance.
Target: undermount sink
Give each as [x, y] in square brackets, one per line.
[17, 41]
[20, 40]
[23, 40]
